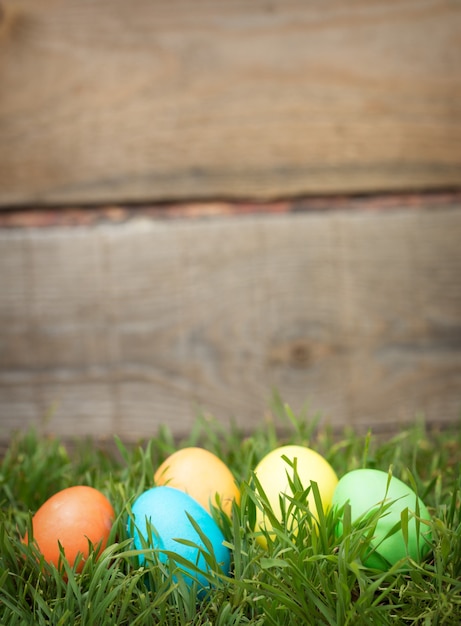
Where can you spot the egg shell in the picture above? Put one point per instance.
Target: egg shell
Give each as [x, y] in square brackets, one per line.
[273, 472]
[366, 490]
[202, 475]
[162, 514]
[72, 517]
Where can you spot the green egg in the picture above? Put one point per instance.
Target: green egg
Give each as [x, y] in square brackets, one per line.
[370, 490]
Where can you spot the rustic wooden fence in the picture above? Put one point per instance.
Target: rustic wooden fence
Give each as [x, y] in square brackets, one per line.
[203, 202]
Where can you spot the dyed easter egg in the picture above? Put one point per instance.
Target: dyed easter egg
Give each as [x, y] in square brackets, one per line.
[161, 521]
[72, 517]
[368, 490]
[276, 469]
[202, 475]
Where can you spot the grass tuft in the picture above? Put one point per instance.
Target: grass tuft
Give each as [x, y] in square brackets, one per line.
[309, 573]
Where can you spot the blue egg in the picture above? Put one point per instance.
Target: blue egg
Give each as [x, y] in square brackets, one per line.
[160, 519]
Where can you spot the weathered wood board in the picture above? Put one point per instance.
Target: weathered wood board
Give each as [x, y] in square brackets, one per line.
[151, 100]
[118, 328]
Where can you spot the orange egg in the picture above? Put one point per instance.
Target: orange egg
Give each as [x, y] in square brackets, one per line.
[72, 517]
[202, 475]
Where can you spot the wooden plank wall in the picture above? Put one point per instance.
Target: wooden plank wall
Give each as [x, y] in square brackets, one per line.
[120, 328]
[114, 101]
[284, 129]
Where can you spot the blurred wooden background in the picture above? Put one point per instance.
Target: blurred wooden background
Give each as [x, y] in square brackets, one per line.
[201, 202]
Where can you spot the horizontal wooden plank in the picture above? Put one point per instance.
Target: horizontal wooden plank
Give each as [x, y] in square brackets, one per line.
[122, 327]
[149, 100]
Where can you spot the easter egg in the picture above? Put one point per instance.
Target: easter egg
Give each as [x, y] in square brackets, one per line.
[274, 473]
[202, 475]
[72, 517]
[161, 521]
[367, 490]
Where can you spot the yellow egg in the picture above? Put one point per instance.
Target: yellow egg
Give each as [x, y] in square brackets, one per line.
[202, 475]
[274, 473]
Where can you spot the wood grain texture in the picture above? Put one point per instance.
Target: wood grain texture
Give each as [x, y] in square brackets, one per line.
[149, 100]
[119, 328]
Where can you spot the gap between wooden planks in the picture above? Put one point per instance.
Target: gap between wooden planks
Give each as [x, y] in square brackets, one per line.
[41, 216]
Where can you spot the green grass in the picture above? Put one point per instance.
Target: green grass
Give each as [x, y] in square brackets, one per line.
[310, 578]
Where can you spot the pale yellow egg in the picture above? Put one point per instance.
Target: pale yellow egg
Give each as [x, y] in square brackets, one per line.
[274, 473]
